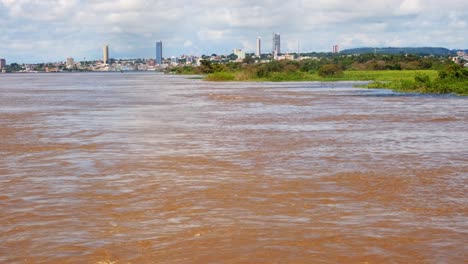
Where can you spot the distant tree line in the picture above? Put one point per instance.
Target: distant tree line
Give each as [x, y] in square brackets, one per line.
[327, 65]
[422, 51]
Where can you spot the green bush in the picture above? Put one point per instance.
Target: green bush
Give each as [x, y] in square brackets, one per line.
[422, 80]
[330, 70]
[453, 71]
[220, 76]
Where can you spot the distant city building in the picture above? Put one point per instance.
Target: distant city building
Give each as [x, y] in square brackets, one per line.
[460, 53]
[174, 60]
[276, 44]
[159, 57]
[2, 63]
[151, 62]
[70, 62]
[239, 53]
[335, 49]
[105, 54]
[190, 60]
[258, 51]
[285, 57]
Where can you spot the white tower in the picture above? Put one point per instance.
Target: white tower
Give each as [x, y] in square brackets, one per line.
[258, 52]
[105, 54]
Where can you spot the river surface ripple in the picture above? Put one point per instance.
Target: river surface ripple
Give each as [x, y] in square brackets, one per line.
[148, 168]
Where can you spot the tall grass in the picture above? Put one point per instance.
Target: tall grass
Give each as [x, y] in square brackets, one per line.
[306, 76]
[387, 75]
[423, 81]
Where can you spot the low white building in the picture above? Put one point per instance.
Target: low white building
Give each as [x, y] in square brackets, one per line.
[285, 57]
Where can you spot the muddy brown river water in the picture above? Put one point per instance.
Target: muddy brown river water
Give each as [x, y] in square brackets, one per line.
[148, 168]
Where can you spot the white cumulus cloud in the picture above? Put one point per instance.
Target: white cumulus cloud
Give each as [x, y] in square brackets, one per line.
[52, 30]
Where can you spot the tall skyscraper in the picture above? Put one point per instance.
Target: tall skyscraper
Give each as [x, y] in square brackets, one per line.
[258, 52]
[335, 49]
[2, 63]
[105, 54]
[276, 44]
[159, 56]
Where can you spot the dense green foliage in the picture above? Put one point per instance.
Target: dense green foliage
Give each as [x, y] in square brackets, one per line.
[366, 62]
[452, 79]
[14, 67]
[330, 70]
[399, 72]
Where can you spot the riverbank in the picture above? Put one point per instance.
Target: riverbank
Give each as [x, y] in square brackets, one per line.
[382, 76]
[421, 81]
[452, 80]
[408, 73]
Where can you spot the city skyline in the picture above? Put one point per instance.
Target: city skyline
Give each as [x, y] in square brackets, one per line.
[206, 27]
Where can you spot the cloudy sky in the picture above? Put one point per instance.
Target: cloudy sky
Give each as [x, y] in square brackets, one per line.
[51, 30]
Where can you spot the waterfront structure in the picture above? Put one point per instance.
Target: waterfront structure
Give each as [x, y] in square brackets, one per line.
[239, 53]
[159, 57]
[105, 54]
[2, 64]
[276, 44]
[70, 62]
[258, 51]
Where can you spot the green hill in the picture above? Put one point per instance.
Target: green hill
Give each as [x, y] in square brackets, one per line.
[436, 51]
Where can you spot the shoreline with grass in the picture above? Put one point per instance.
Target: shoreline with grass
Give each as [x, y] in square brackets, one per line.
[351, 75]
[419, 81]
[418, 75]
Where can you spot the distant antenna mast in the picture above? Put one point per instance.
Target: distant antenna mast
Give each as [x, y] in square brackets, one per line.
[298, 48]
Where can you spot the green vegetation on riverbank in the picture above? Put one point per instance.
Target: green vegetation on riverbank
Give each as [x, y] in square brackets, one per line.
[452, 79]
[406, 73]
[377, 76]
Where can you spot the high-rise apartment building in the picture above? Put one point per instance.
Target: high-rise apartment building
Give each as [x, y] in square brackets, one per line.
[335, 49]
[276, 44]
[105, 54]
[2, 64]
[258, 51]
[159, 56]
[70, 62]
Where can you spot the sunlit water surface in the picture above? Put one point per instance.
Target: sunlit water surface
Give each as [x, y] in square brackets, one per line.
[148, 168]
